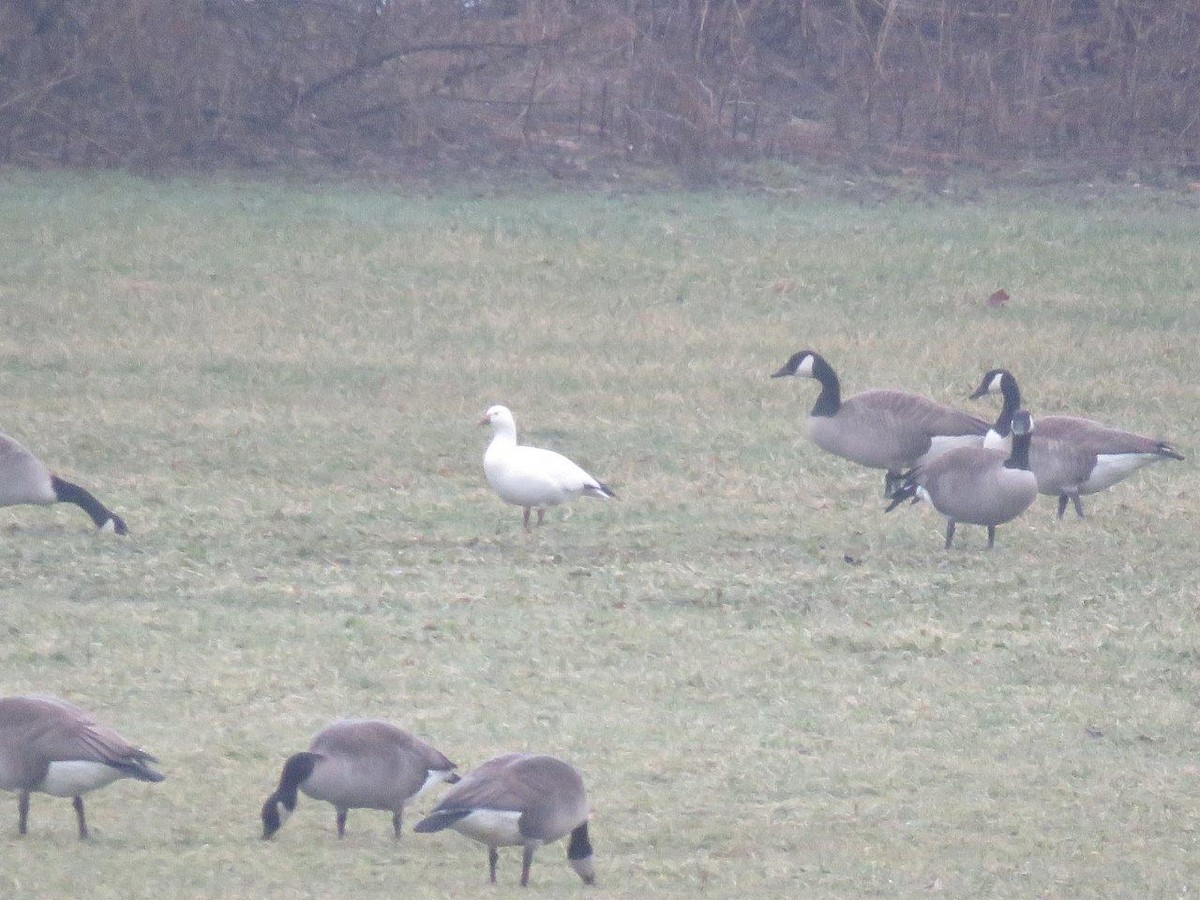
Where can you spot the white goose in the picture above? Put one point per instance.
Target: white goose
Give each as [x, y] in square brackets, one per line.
[531, 477]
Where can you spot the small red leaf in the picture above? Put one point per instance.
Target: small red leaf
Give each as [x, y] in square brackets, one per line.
[998, 299]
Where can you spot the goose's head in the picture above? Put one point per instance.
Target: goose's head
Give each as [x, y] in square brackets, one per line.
[282, 803]
[994, 381]
[500, 418]
[579, 854]
[274, 813]
[115, 525]
[1022, 423]
[799, 364]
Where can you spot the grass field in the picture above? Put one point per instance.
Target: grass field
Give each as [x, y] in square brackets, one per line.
[278, 386]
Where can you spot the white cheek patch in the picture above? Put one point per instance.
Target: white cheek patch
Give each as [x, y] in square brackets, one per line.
[432, 777]
[68, 779]
[494, 827]
[994, 385]
[806, 366]
[941, 443]
[993, 441]
[108, 527]
[284, 813]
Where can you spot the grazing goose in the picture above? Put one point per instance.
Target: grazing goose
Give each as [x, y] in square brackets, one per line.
[357, 764]
[977, 485]
[881, 429]
[1071, 456]
[519, 799]
[23, 479]
[52, 746]
[529, 476]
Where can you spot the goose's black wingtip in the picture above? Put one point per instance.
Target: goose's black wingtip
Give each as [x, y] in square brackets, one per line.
[439, 819]
[1165, 449]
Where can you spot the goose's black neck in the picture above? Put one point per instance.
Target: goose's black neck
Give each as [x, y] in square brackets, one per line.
[1012, 402]
[829, 401]
[66, 492]
[580, 847]
[1019, 457]
[295, 772]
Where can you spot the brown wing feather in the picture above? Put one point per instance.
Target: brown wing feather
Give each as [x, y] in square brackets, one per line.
[360, 737]
[373, 737]
[546, 791]
[1061, 465]
[1095, 436]
[890, 429]
[922, 414]
[61, 732]
[492, 785]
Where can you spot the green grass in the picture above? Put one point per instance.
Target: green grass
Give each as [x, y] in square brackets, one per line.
[278, 386]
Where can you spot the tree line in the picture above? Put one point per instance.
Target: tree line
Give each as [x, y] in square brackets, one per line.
[921, 83]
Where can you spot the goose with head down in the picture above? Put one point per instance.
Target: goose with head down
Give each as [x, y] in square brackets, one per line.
[24, 479]
[358, 764]
[523, 800]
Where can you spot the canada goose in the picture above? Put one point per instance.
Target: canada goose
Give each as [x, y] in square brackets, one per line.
[357, 764]
[23, 479]
[531, 477]
[977, 485]
[1069, 455]
[52, 746]
[519, 799]
[881, 429]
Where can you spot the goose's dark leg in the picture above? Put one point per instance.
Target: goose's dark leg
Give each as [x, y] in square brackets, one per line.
[341, 821]
[22, 812]
[991, 536]
[1062, 504]
[541, 516]
[78, 804]
[525, 518]
[949, 533]
[493, 858]
[890, 481]
[526, 862]
[397, 821]
[1078, 505]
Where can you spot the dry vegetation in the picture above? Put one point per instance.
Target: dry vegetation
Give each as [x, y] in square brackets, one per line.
[773, 690]
[403, 85]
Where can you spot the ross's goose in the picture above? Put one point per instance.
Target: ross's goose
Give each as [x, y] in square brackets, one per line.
[531, 477]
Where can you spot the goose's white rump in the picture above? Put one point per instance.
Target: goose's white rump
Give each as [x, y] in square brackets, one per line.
[531, 477]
